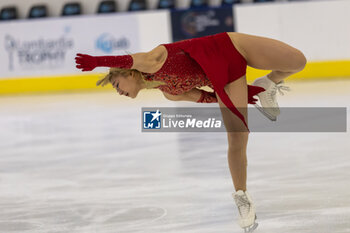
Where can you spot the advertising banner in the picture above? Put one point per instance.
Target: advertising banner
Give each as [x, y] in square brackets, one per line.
[47, 47]
[194, 23]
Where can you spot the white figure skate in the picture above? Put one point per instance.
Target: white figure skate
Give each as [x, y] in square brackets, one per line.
[269, 106]
[246, 210]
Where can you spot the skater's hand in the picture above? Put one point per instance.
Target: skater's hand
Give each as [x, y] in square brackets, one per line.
[85, 62]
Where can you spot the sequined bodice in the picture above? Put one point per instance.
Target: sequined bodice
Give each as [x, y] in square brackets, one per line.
[180, 72]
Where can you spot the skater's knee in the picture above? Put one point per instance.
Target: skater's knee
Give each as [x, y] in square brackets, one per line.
[299, 61]
[237, 141]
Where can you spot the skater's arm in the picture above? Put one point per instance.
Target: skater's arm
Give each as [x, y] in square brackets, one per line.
[149, 62]
[194, 95]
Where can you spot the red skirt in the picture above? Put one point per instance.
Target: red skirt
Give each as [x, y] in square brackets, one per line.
[222, 64]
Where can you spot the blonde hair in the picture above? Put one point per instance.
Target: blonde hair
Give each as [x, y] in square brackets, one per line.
[125, 72]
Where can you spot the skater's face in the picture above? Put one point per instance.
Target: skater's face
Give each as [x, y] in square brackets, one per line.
[126, 85]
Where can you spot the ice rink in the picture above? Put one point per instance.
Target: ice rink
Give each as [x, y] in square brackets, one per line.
[79, 163]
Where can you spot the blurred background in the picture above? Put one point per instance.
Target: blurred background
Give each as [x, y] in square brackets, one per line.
[40, 38]
[73, 157]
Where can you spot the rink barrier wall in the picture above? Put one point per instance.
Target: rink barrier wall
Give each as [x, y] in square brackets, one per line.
[47, 47]
[318, 29]
[87, 82]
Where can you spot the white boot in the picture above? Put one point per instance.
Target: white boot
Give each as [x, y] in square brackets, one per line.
[246, 210]
[269, 106]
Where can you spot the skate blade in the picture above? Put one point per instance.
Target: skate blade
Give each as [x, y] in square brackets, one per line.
[269, 116]
[251, 228]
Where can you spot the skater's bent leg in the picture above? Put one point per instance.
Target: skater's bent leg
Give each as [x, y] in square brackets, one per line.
[269, 54]
[237, 141]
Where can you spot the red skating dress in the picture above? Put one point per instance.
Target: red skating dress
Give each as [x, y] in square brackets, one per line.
[207, 61]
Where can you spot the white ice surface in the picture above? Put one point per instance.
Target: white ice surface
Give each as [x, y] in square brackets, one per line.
[79, 163]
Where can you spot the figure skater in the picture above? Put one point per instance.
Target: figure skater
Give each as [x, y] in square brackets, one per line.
[218, 61]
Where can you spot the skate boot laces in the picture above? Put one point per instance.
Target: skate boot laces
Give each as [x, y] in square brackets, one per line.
[277, 87]
[243, 204]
